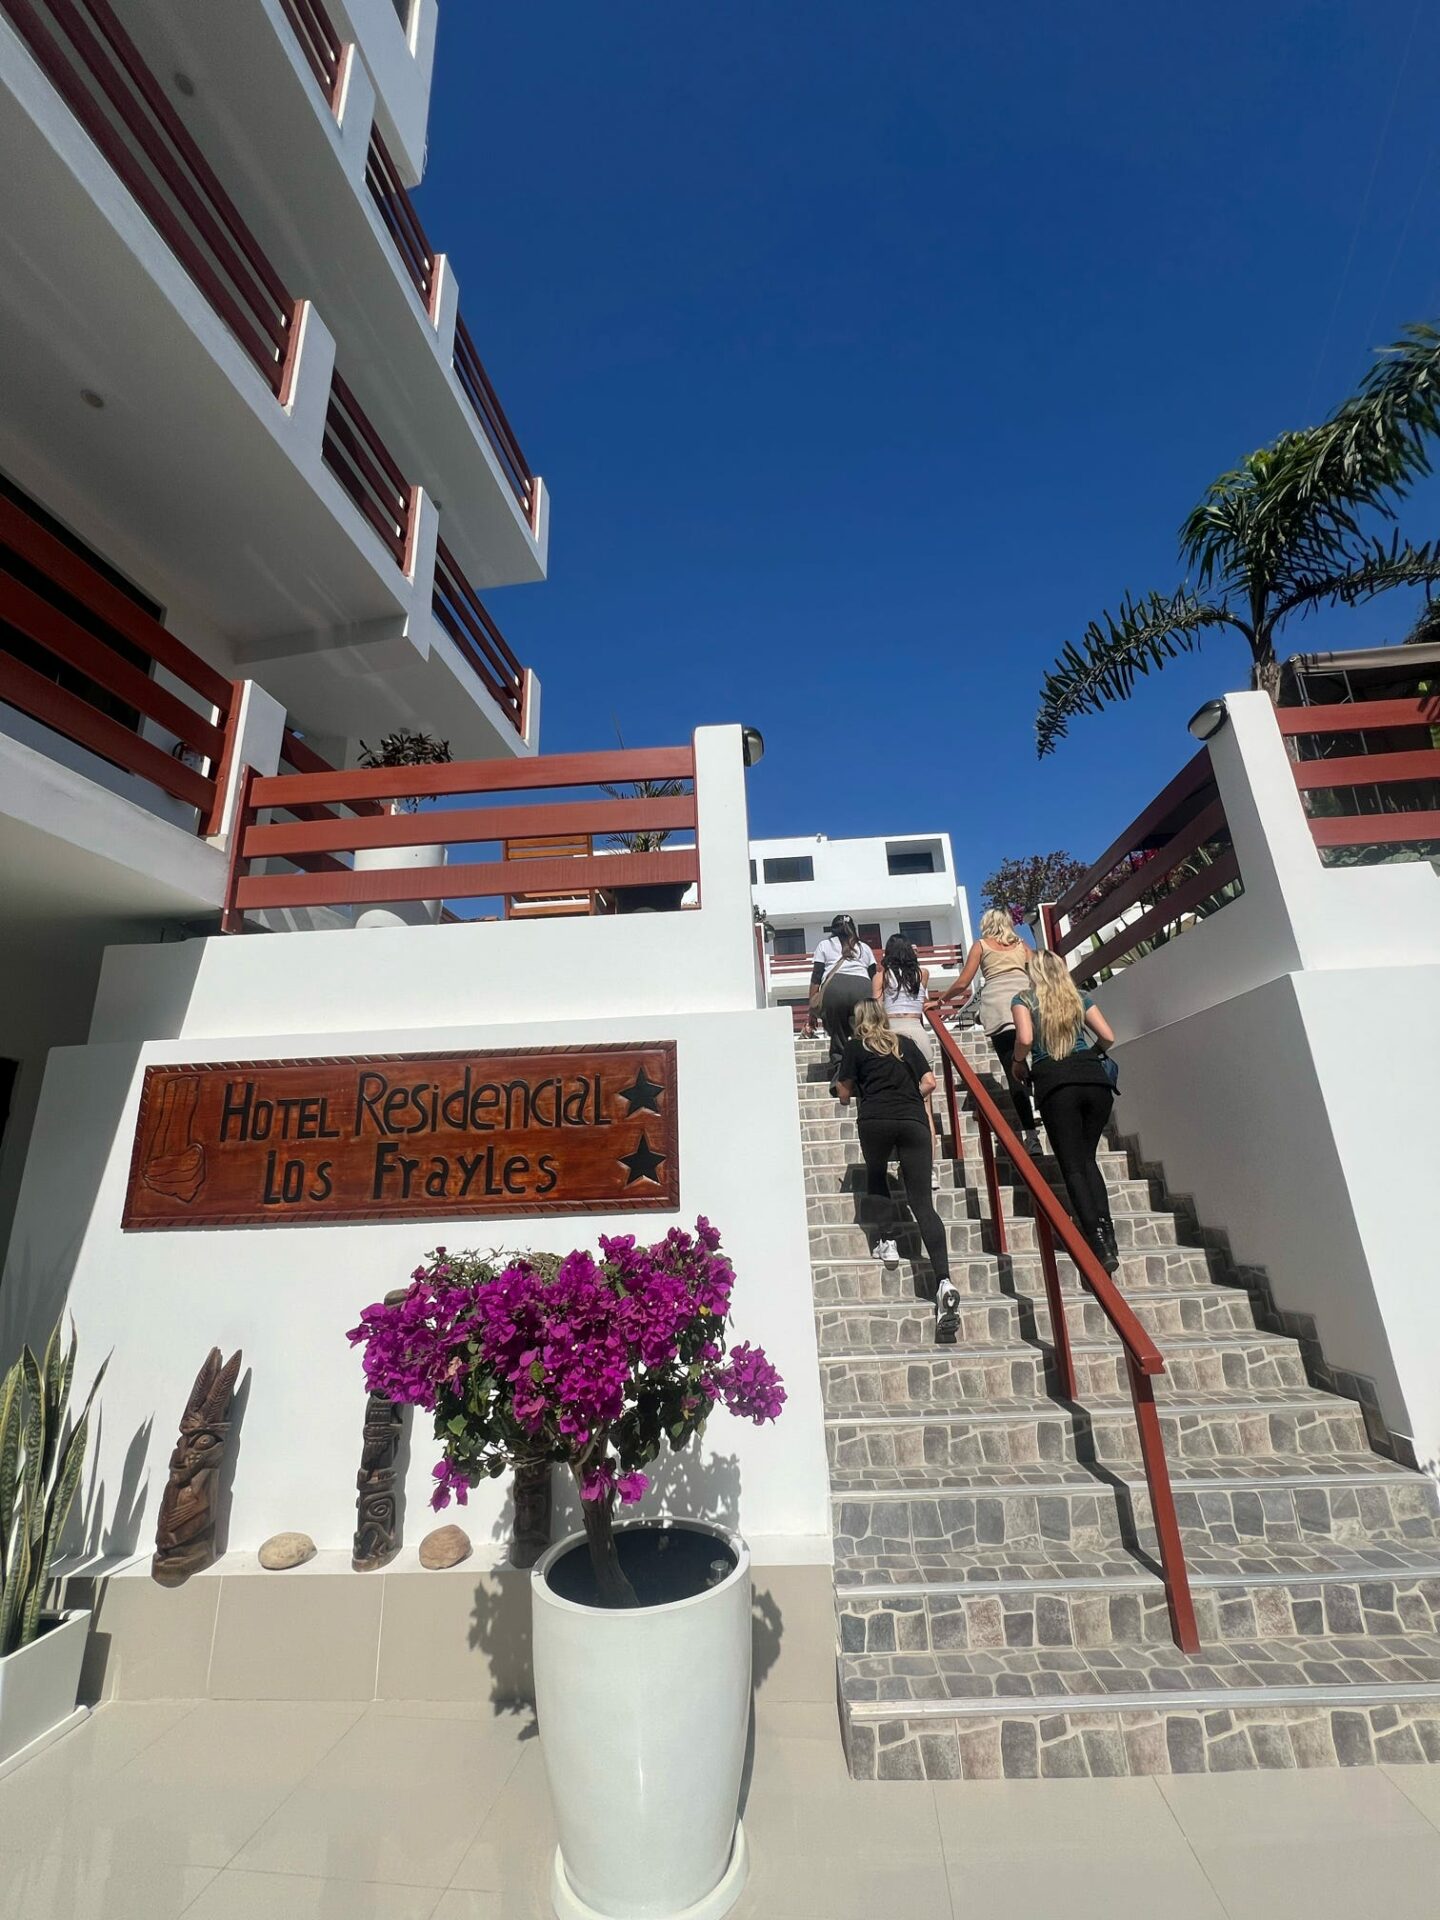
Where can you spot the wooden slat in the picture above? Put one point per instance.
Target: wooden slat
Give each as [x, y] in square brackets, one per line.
[1190, 778]
[1375, 829]
[1173, 907]
[480, 391]
[1206, 824]
[77, 720]
[464, 826]
[479, 776]
[1368, 769]
[70, 572]
[43, 623]
[466, 882]
[1360, 716]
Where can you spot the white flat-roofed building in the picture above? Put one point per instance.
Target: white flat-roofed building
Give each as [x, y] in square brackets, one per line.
[892, 883]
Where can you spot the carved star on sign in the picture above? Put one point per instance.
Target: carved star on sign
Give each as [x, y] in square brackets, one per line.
[642, 1095]
[644, 1163]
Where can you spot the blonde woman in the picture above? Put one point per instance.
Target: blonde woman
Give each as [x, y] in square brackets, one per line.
[1059, 1037]
[1002, 960]
[892, 1078]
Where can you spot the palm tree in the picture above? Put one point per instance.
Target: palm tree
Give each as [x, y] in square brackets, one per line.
[1281, 534]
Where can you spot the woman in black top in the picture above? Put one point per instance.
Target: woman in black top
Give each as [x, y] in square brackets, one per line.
[893, 1080]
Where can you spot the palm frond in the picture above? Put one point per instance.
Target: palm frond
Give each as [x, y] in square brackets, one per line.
[1374, 569]
[1144, 634]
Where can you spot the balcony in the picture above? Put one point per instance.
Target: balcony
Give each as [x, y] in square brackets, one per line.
[289, 118]
[180, 409]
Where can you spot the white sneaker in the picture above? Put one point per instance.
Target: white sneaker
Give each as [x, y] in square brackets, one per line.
[888, 1253]
[934, 1179]
[1030, 1140]
[947, 1312]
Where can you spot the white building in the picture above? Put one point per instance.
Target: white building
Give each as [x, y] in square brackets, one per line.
[897, 883]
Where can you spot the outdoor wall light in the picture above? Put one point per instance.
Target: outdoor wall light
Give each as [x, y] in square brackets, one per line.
[754, 744]
[1208, 721]
[92, 399]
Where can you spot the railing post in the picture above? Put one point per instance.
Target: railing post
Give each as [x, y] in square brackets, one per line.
[1162, 1507]
[1059, 1325]
[992, 1183]
[232, 919]
[952, 1105]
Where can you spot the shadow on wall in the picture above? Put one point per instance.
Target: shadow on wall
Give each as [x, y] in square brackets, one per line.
[110, 1529]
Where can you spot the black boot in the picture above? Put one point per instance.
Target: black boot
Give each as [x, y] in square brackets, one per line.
[1105, 1247]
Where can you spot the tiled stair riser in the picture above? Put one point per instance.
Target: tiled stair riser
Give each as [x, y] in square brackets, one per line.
[852, 1279]
[836, 1241]
[883, 1327]
[833, 1207]
[948, 1377]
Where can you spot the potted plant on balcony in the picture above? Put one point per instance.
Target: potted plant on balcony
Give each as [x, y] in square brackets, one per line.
[41, 1457]
[402, 749]
[641, 1630]
[659, 896]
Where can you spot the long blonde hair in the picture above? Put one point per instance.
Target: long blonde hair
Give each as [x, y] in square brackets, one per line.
[1060, 1012]
[999, 929]
[872, 1028]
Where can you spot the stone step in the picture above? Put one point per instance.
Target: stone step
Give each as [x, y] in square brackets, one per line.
[1380, 1589]
[1023, 1712]
[1134, 1232]
[865, 1278]
[883, 1326]
[1272, 1501]
[1033, 1433]
[929, 1377]
[838, 1156]
[834, 1205]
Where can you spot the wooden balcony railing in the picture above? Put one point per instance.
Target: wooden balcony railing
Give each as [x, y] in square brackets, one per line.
[365, 468]
[390, 195]
[1368, 772]
[1174, 864]
[77, 653]
[95, 67]
[792, 963]
[462, 614]
[322, 46]
[475, 383]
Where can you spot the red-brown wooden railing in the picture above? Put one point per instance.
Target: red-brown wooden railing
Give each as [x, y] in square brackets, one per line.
[94, 65]
[1142, 1357]
[1171, 860]
[462, 613]
[100, 645]
[322, 46]
[389, 193]
[1334, 754]
[366, 469]
[311, 836]
[476, 384]
[927, 956]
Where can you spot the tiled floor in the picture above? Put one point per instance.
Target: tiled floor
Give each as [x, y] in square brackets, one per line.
[235, 1810]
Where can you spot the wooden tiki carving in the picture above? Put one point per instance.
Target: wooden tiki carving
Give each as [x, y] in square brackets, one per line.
[185, 1529]
[377, 1504]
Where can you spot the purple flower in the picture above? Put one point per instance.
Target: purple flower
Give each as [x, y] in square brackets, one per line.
[450, 1479]
[750, 1386]
[631, 1487]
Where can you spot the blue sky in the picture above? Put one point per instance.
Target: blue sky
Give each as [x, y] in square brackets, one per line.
[869, 348]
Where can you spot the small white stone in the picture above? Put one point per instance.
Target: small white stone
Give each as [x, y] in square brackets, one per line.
[283, 1550]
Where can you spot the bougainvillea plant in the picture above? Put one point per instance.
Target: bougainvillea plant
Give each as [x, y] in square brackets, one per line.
[594, 1363]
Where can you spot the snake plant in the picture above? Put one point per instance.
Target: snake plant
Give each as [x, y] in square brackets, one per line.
[40, 1463]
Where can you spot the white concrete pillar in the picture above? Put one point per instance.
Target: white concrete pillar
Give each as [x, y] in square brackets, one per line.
[1266, 820]
[723, 834]
[259, 724]
[311, 370]
[355, 115]
[445, 301]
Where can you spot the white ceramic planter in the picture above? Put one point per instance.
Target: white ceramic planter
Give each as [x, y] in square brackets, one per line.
[399, 913]
[39, 1682]
[644, 1714]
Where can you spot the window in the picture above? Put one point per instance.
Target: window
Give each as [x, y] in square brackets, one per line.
[792, 867]
[917, 932]
[752, 873]
[790, 940]
[910, 859]
[869, 932]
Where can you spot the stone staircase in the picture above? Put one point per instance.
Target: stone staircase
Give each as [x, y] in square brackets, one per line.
[1000, 1612]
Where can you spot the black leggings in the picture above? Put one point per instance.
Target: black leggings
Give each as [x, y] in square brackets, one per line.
[1075, 1118]
[909, 1141]
[1004, 1045]
[837, 1007]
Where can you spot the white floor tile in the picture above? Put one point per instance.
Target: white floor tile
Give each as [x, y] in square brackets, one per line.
[1421, 1787]
[1081, 1883]
[48, 1887]
[1320, 1803]
[1395, 1874]
[233, 1895]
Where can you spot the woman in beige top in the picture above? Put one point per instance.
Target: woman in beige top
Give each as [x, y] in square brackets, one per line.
[1002, 960]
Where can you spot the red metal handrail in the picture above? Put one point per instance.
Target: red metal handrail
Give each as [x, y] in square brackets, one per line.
[321, 45]
[365, 468]
[392, 198]
[463, 615]
[95, 67]
[477, 387]
[1414, 757]
[97, 645]
[316, 839]
[1142, 1356]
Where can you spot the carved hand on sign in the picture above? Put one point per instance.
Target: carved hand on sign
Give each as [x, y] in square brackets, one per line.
[175, 1163]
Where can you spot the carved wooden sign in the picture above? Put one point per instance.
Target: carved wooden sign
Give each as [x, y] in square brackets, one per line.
[406, 1137]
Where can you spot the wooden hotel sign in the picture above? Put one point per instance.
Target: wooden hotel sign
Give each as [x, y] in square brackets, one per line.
[406, 1137]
